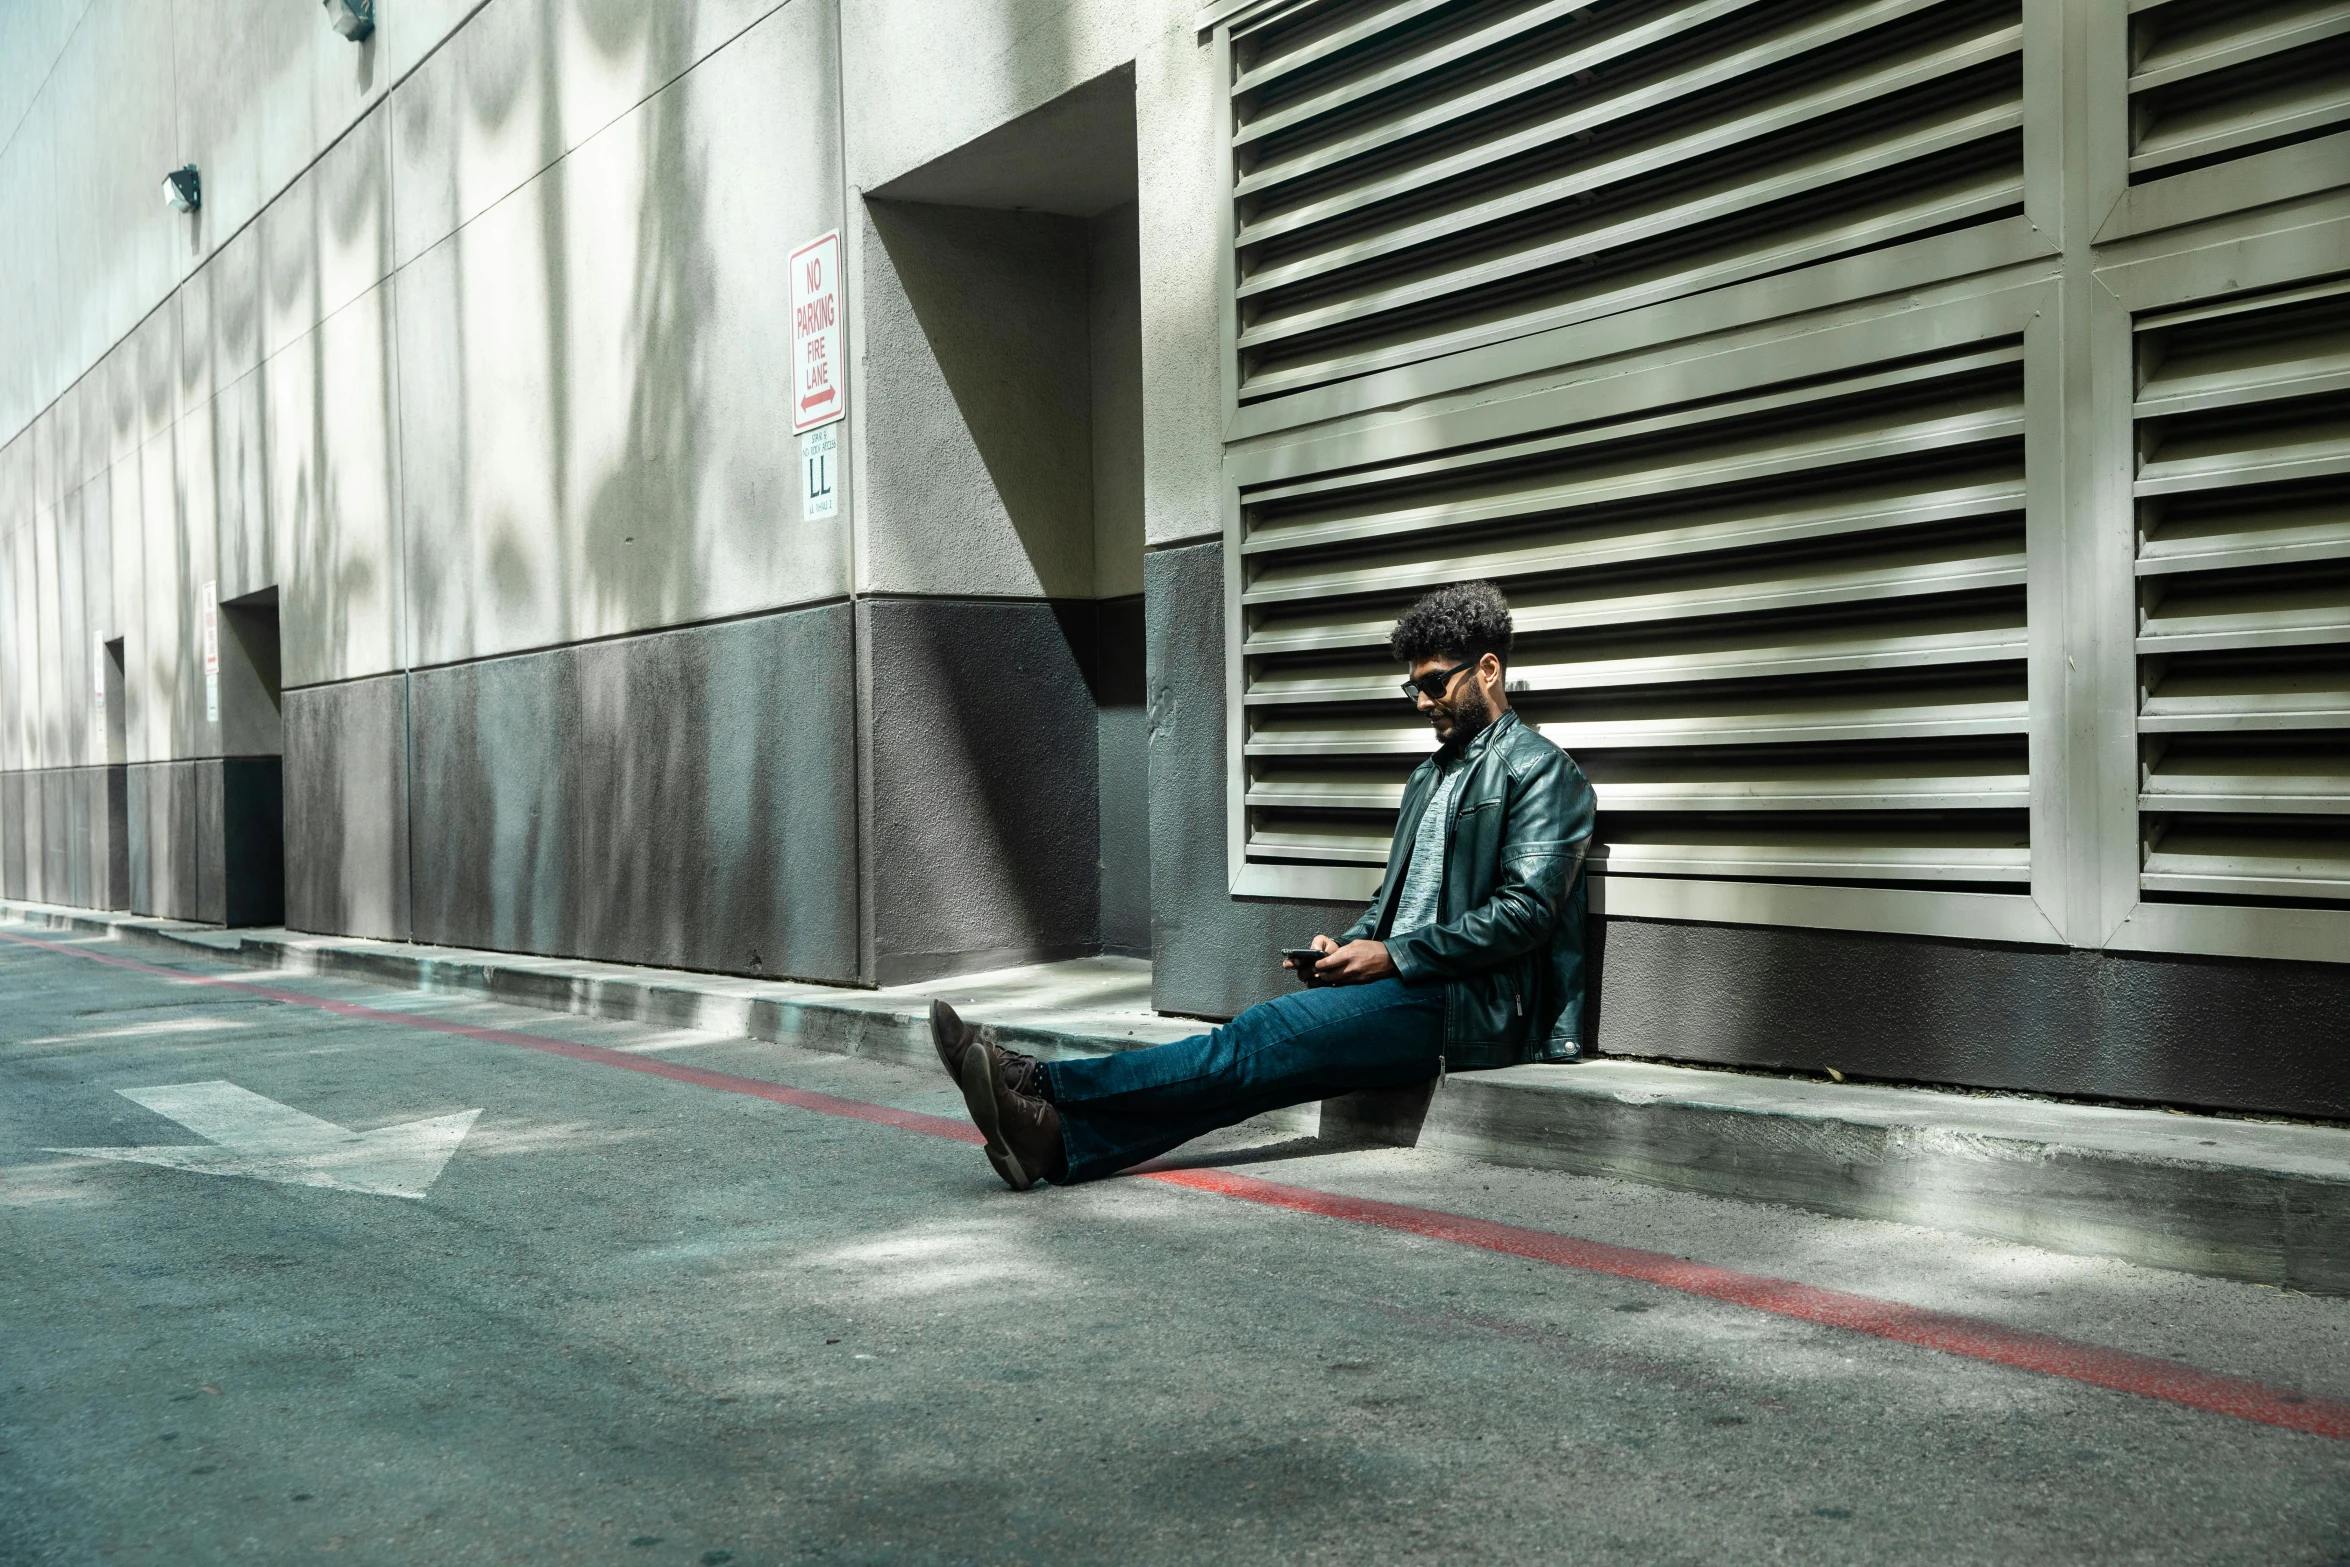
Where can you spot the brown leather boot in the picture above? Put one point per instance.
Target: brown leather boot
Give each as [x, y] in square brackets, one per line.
[1023, 1133]
[952, 1037]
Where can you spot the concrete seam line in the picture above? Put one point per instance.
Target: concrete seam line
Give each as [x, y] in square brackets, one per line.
[1974, 1338]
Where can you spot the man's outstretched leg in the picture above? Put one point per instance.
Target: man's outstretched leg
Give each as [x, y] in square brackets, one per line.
[1118, 1110]
[1108, 1112]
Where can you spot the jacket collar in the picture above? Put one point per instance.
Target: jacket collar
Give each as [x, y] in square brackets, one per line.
[1481, 744]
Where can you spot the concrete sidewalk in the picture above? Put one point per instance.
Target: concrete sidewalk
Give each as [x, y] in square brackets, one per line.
[2267, 1202]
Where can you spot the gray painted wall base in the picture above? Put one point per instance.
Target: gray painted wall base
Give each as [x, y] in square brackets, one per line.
[2219, 1033]
[689, 798]
[1212, 954]
[981, 783]
[346, 793]
[64, 836]
[683, 798]
[2267, 1202]
[206, 839]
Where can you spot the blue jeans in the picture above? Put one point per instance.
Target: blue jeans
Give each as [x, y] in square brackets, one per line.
[1118, 1110]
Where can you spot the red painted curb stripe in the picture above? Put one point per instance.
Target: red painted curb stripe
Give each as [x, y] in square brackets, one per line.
[1975, 1338]
[1952, 1334]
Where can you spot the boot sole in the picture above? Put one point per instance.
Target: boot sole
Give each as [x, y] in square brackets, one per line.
[938, 1043]
[979, 1098]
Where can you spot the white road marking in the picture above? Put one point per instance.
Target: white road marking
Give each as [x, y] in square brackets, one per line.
[193, 1025]
[256, 1136]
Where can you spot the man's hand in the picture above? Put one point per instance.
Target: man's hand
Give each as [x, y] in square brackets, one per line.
[1356, 963]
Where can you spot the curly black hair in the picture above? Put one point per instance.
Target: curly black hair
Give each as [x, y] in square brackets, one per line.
[1465, 621]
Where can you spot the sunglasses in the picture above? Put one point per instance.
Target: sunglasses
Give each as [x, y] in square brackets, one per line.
[1433, 686]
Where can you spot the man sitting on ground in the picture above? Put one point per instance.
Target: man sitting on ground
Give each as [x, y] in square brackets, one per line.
[1470, 956]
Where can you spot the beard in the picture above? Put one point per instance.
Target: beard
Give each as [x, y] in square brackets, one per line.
[1470, 715]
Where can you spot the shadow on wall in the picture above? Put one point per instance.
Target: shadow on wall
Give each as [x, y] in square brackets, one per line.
[556, 349]
[523, 827]
[346, 808]
[637, 525]
[983, 807]
[987, 741]
[715, 831]
[343, 529]
[1003, 499]
[637, 552]
[1000, 301]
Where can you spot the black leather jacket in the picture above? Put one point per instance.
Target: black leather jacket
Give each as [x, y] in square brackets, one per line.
[1508, 941]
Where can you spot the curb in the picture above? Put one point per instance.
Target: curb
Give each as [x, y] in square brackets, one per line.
[2258, 1201]
[813, 1017]
[2265, 1202]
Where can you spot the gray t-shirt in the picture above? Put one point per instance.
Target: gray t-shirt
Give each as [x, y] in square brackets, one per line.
[1423, 881]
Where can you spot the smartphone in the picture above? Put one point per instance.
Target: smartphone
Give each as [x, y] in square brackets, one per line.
[1303, 957]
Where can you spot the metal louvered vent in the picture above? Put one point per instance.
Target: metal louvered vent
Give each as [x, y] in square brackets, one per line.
[1783, 633]
[2243, 496]
[2216, 79]
[1416, 177]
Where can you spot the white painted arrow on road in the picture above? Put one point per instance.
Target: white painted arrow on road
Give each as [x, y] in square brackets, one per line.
[256, 1136]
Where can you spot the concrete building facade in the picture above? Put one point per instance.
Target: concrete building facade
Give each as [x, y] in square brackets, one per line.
[1912, 432]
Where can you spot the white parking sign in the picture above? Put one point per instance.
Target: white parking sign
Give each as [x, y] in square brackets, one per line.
[819, 376]
[819, 465]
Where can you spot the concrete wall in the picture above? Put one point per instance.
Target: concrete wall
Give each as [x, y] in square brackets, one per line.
[458, 313]
[473, 363]
[64, 836]
[683, 798]
[594, 346]
[1214, 953]
[1121, 686]
[977, 409]
[1000, 433]
[474, 346]
[921, 79]
[205, 839]
[980, 784]
[2227, 1033]
[347, 808]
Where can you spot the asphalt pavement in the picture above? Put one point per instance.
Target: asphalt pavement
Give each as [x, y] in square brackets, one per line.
[333, 1271]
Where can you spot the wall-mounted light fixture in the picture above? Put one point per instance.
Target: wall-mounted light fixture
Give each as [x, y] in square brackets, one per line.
[354, 19]
[183, 189]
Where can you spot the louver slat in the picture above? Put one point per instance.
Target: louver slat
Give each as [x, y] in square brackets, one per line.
[1319, 35]
[1760, 447]
[2244, 598]
[1815, 102]
[2216, 870]
[1411, 182]
[2215, 79]
[1618, 105]
[1404, 70]
[1740, 660]
[1784, 634]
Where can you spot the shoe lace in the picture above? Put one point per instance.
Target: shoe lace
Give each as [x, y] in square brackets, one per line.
[1026, 1074]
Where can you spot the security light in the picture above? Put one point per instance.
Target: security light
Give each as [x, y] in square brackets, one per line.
[354, 19]
[183, 190]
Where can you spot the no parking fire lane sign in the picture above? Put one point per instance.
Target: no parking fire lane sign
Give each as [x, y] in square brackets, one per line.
[819, 374]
